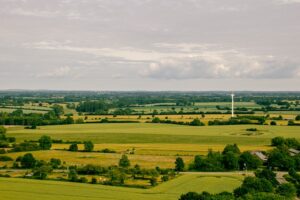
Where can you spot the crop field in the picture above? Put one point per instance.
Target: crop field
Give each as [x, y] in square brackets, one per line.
[153, 144]
[158, 133]
[25, 189]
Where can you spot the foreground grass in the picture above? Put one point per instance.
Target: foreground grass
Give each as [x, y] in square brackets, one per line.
[23, 189]
[158, 133]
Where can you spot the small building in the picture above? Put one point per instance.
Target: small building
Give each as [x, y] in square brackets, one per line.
[294, 152]
[260, 155]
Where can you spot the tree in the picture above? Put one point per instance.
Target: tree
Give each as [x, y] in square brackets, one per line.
[45, 142]
[287, 189]
[268, 175]
[231, 161]
[280, 158]
[249, 161]
[94, 180]
[73, 147]
[117, 176]
[124, 161]
[72, 176]
[153, 181]
[2, 133]
[179, 164]
[197, 162]
[88, 146]
[55, 163]
[196, 122]
[297, 118]
[273, 123]
[233, 148]
[58, 110]
[253, 185]
[42, 172]
[28, 161]
[277, 141]
[190, 196]
[69, 120]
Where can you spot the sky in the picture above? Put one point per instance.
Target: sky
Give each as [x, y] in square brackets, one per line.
[155, 45]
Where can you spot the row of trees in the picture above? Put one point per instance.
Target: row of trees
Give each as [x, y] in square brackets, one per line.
[230, 159]
[195, 122]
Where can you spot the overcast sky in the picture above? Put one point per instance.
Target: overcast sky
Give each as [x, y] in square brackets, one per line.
[150, 44]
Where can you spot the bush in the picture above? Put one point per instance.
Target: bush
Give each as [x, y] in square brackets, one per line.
[164, 178]
[287, 189]
[11, 139]
[4, 144]
[83, 180]
[196, 122]
[94, 180]
[251, 129]
[2, 151]
[26, 146]
[5, 158]
[153, 181]
[55, 163]
[106, 150]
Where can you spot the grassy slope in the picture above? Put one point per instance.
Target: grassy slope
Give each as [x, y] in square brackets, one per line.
[22, 189]
[158, 133]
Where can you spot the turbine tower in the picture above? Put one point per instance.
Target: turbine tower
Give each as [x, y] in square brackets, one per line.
[232, 105]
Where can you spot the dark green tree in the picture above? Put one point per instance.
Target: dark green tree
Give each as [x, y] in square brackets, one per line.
[27, 161]
[2, 133]
[73, 147]
[231, 161]
[88, 146]
[42, 172]
[277, 141]
[124, 161]
[45, 142]
[73, 176]
[287, 189]
[249, 161]
[179, 164]
[231, 147]
[268, 175]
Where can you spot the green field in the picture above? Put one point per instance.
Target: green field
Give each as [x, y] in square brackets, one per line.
[24, 189]
[158, 133]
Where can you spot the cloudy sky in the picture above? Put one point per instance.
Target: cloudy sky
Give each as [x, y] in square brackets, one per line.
[150, 44]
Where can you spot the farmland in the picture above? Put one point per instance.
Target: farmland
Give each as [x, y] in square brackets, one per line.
[154, 144]
[144, 145]
[20, 189]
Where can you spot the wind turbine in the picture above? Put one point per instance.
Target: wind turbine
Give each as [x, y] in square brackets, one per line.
[232, 104]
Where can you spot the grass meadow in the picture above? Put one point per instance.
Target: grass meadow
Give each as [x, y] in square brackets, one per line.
[25, 189]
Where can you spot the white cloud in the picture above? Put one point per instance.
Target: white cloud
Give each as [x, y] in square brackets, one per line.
[60, 72]
[287, 1]
[226, 65]
[185, 61]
